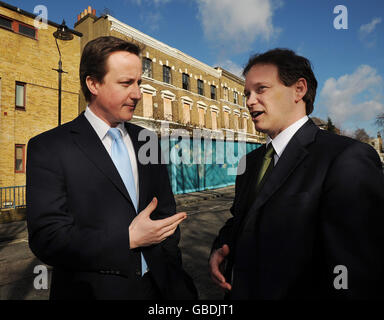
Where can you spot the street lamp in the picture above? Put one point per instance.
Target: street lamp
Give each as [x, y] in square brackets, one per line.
[62, 33]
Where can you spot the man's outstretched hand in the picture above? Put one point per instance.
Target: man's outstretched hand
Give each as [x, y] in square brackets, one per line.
[143, 231]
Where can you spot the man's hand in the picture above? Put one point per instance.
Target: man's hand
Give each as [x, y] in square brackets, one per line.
[143, 231]
[216, 267]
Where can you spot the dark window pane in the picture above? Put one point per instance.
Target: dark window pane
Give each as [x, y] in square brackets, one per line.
[213, 92]
[27, 31]
[5, 23]
[235, 97]
[147, 67]
[200, 87]
[166, 74]
[19, 157]
[185, 81]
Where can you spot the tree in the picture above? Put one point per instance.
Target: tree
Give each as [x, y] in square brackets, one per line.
[361, 135]
[380, 121]
[330, 126]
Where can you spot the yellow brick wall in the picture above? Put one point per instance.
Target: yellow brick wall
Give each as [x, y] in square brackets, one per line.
[31, 61]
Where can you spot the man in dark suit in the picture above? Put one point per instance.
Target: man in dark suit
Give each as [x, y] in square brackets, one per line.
[102, 219]
[308, 213]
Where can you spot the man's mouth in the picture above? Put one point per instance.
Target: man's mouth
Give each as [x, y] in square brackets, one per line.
[255, 114]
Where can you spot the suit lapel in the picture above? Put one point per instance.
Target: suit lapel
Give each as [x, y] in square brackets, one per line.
[293, 155]
[88, 141]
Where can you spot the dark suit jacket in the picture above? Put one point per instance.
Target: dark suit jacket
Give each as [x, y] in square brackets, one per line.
[79, 212]
[322, 206]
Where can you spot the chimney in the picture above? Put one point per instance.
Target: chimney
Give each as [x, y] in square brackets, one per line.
[87, 11]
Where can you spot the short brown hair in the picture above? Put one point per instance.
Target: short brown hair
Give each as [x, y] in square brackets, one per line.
[94, 58]
[291, 68]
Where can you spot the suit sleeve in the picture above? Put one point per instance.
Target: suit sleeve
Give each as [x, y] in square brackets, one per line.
[225, 235]
[54, 236]
[353, 222]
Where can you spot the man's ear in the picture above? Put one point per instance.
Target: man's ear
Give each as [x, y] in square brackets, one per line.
[300, 89]
[92, 84]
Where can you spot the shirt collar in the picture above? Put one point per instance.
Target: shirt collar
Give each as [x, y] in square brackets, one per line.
[281, 140]
[100, 126]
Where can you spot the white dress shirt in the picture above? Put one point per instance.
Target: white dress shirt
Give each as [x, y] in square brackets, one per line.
[282, 139]
[101, 129]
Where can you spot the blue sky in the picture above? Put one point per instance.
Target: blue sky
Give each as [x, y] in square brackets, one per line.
[348, 63]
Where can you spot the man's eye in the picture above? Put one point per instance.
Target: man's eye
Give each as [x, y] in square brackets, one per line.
[261, 89]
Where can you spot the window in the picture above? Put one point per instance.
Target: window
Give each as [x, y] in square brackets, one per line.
[167, 109]
[200, 87]
[244, 101]
[214, 120]
[27, 30]
[19, 158]
[245, 122]
[167, 74]
[147, 67]
[201, 117]
[235, 97]
[225, 90]
[235, 122]
[6, 23]
[186, 113]
[226, 119]
[20, 95]
[185, 81]
[213, 92]
[18, 27]
[147, 105]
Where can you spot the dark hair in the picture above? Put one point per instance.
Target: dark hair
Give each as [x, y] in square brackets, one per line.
[291, 68]
[94, 58]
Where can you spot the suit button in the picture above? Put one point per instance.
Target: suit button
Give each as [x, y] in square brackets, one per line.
[138, 273]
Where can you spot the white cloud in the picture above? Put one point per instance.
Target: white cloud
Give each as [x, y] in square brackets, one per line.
[354, 97]
[368, 28]
[366, 33]
[151, 20]
[238, 23]
[231, 66]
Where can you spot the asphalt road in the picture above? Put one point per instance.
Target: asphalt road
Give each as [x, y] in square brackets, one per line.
[198, 231]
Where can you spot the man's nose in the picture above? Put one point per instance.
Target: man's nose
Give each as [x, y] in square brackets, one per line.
[251, 99]
[136, 92]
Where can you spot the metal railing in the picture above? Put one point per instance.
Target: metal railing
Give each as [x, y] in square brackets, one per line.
[12, 197]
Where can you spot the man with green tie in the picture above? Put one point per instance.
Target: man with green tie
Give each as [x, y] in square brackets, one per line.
[308, 212]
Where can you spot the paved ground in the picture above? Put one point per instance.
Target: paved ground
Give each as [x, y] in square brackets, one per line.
[208, 212]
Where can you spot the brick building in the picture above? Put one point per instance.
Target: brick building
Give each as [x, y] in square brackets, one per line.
[178, 90]
[29, 86]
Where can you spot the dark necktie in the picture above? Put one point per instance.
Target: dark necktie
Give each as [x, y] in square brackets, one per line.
[266, 166]
[264, 170]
